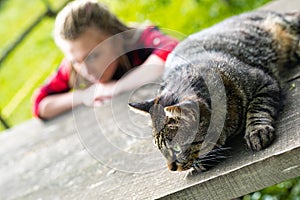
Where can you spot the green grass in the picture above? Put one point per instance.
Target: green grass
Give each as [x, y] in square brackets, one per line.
[31, 72]
[37, 56]
[30, 63]
[17, 15]
[184, 16]
[287, 190]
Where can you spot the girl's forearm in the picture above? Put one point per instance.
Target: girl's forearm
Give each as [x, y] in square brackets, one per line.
[56, 104]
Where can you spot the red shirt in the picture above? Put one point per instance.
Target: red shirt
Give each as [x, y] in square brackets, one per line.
[151, 41]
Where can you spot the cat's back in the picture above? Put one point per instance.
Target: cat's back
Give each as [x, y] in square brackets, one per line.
[255, 38]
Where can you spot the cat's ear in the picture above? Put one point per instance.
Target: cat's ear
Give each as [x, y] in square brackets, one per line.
[181, 109]
[142, 106]
[188, 109]
[174, 110]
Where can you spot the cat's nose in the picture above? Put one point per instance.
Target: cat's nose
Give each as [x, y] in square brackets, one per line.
[173, 166]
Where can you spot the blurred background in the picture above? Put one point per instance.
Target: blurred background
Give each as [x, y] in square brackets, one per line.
[28, 54]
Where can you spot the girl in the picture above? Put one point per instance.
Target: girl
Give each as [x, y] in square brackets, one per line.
[99, 50]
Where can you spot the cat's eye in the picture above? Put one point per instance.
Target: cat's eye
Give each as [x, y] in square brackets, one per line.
[176, 148]
[172, 126]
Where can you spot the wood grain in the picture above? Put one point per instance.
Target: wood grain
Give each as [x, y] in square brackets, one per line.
[107, 153]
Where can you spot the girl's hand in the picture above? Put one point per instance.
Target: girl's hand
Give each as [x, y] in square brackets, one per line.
[99, 93]
[105, 91]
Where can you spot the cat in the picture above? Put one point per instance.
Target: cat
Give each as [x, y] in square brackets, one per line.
[243, 57]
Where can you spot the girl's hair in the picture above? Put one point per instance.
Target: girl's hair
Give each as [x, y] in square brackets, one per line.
[78, 15]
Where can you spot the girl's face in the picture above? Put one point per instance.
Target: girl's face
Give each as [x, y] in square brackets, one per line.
[92, 55]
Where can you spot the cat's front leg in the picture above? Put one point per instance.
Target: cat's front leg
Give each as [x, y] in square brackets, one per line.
[261, 114]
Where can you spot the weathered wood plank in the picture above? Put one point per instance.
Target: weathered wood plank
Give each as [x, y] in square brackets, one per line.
[93, 154]
[47, 160]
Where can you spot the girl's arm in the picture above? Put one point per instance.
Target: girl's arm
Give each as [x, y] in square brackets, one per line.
[150, 70]
[52, 105]
[56, 104]
[53, 97]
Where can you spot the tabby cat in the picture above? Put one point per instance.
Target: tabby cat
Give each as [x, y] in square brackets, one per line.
[248, 53]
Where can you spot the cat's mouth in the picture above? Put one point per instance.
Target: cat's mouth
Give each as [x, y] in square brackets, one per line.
[201, 163]
[196, 165]
[176, 160]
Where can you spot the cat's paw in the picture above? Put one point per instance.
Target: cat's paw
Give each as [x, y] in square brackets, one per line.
[259, 137]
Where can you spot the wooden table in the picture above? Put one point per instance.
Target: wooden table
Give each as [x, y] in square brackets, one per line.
[107, 153]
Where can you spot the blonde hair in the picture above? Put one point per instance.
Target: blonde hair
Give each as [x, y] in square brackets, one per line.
[78, 15]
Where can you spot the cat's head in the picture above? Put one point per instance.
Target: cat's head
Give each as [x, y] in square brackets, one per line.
[179, 131]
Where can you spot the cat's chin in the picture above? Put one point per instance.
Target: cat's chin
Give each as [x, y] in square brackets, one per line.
[190, 173]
